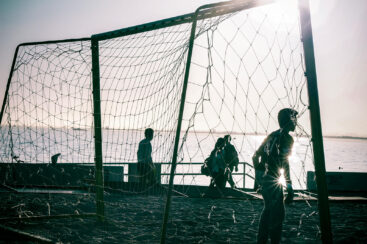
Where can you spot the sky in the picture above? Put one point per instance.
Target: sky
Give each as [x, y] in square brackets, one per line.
[338, 32]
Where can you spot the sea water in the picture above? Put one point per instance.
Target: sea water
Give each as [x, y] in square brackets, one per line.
[77, 146]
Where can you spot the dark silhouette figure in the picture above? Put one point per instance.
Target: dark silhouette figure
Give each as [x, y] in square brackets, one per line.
[273, 154]
[231, 160]
[54, 158]
[217, 166]
[146, 168]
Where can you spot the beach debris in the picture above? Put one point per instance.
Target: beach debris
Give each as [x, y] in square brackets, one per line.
[48, 208]
[234, 217]
[301, 220]
[22, 212]
[210, 213]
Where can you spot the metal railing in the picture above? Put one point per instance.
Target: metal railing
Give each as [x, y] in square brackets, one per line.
[243, 173]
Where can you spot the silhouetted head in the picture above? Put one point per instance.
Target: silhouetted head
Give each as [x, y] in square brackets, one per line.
[287, 118]
[220, 143]
[227, 138]
[149, 133]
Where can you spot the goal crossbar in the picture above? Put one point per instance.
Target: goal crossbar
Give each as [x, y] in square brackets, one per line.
[206, 11]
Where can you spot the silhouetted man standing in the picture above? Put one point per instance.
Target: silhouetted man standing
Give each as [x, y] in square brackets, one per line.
[273, 154]
[146, 167]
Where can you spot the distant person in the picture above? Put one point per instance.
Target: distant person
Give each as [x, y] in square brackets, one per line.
[273, 154]
[146, 168]
[231, 159]
[54, 158]
[217, 165]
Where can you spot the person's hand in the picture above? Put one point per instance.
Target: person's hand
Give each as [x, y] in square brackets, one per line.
[290, 194]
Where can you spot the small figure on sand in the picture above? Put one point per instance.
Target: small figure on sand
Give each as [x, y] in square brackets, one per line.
[273, 154]
[231, 160]
[216, 165]
[146, 168]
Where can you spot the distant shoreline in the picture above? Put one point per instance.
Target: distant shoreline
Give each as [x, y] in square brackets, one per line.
[200, 132]
[347, 137]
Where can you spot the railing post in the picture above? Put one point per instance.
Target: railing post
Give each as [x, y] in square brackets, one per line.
[317, 142]
[97, 129]
[244, 175]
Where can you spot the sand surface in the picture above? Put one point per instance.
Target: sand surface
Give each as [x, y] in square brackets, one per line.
[138, 219]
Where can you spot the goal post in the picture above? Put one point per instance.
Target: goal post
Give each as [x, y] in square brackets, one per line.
[317, 141]
[97, 129]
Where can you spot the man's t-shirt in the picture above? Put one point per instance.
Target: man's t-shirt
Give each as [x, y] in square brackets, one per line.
[145, 151]
[274, 152]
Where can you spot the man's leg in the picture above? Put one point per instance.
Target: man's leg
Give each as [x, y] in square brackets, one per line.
[221, 180]
[140, 172]
[265, 219]
[263, 233]
[277, 218]
[152, 174]
[231, 182]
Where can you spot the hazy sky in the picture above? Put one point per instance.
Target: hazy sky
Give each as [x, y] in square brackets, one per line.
[340, 39]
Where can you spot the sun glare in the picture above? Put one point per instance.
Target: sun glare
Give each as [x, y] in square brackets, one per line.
[281, 179]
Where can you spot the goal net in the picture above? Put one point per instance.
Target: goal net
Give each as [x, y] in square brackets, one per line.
[246, 65]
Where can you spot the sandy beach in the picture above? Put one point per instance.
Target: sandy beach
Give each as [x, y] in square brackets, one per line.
[138, 219]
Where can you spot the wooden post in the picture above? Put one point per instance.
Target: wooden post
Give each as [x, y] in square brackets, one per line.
[97, 129]
[317, 142]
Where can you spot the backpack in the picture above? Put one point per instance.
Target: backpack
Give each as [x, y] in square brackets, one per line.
[205, 170]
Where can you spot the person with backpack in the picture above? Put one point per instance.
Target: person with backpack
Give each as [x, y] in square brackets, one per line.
[272, 156]
[216, 165]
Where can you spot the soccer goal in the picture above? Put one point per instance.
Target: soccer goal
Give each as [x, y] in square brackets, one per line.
[75, 111]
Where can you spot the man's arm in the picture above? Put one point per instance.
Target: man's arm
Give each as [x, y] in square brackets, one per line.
[258, 153]
[286, 151]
